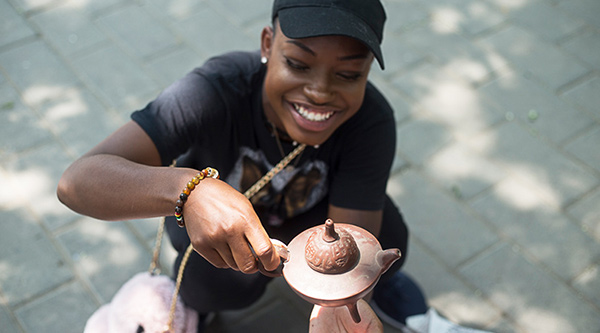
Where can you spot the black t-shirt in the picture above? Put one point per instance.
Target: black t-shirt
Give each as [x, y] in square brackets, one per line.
[213, 117]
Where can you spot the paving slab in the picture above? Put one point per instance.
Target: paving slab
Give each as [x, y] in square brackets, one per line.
[174, 11]
[542, 60]
[446, 97]
[14, 27]
[175, 64]
[16, 118]
[199, 30]
[463, 172]
[407, 15]
[9, 325]
[68, 28]
[546, 20]
[30, 265]
[137, 31]
[469, 18]
[583, 147]
[536, 301]
[33, 66]
[537, 107]
[24, 6]
[586, 96]
[107, 253]
[41, 168]
[585, 46]
[520, 215]
[78, 118]
[556, 177]
[438, 214]
[470, 61]
[117, 79]
[585, 9]
[241, 12]
[454, 298]
[65, 310]
[419, 138]
[588, 284]
[587, 213]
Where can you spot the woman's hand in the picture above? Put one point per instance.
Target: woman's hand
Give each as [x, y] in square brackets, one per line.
[338, 320]
[222, 226]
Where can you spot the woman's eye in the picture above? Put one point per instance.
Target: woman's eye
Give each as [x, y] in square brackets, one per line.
[295, 65]
[350, 76]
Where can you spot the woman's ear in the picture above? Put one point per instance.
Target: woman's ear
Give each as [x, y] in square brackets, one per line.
[266, 42]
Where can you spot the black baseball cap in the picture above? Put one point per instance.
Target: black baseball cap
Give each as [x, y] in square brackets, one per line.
[359, 19]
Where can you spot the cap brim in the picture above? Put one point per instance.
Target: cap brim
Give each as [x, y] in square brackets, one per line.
[304, 22]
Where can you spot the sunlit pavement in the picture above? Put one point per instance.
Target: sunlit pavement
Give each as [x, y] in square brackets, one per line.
[497, 169]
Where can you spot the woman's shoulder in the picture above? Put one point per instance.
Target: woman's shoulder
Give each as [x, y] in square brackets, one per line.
[376, 102]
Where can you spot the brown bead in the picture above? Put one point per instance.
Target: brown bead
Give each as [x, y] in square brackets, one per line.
[191, 185]
[186, 191]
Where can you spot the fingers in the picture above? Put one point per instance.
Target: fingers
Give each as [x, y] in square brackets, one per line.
[238, 257]
[243, 257]
[264, 250]
[214, 258]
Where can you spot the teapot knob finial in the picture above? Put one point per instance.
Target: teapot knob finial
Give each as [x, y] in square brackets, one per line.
[330, 235]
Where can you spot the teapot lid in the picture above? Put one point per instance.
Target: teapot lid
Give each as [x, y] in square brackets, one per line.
[331, 251]
[357, 271]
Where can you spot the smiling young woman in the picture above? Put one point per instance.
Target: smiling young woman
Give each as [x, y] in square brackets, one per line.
[240, 113]
[313, 85]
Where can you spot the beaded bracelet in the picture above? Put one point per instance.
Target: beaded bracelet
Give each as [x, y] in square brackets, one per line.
[185, 193]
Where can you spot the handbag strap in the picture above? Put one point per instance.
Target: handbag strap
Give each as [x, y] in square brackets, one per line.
[248, 194]
[154, 268]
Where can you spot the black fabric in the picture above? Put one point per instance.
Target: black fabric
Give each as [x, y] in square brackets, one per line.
[213, 117]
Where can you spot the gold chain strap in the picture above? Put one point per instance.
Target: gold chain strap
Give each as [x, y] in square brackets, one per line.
[154, 268]
[248, 194]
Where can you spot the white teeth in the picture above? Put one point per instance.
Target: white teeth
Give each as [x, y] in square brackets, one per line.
[312, 116]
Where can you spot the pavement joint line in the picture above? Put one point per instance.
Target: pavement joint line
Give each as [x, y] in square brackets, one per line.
[584, 78]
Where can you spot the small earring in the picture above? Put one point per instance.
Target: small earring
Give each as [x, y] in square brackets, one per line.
[264, 60]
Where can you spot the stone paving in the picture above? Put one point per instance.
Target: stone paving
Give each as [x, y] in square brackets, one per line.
[497, 169]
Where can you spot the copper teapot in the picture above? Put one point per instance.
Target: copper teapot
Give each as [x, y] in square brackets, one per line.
[334, 264]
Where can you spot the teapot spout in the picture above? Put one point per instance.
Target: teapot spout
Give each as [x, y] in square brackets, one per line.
[386, 258]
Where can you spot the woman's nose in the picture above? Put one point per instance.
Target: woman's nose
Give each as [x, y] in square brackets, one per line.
[319, 91]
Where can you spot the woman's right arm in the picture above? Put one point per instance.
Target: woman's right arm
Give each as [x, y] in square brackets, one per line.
[122, 178]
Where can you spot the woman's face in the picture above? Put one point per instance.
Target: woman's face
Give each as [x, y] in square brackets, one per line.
[313, 85]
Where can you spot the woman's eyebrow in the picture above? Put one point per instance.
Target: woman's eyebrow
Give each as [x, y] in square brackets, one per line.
[302, 46]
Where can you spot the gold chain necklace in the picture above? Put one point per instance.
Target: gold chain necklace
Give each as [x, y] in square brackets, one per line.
[290, 167]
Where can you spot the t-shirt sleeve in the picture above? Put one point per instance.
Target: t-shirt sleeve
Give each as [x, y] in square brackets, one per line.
[367, 152]
[174, 120]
